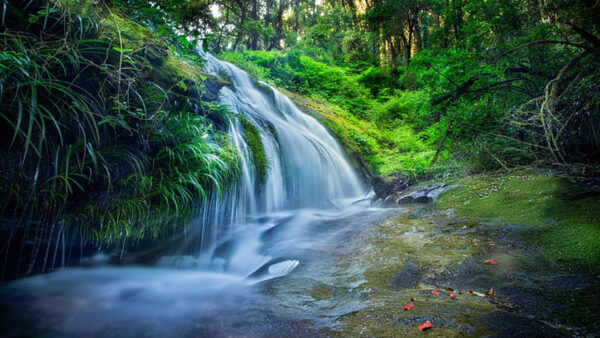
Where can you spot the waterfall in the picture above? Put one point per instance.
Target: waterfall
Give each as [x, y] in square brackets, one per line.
[263, 226]
[307, 170]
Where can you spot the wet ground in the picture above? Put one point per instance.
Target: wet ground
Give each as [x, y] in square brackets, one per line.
[355, 275]
[421, 249]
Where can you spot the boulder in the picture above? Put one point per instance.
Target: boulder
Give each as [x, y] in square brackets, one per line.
[388, 186]
[425, 194]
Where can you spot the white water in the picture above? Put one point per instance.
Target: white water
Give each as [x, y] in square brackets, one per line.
[309, 179]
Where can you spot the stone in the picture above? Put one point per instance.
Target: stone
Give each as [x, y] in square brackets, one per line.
[407, 276]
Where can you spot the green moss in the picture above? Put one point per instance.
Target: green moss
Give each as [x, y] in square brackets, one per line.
[582, 306]
[259, 159]
[567, 228]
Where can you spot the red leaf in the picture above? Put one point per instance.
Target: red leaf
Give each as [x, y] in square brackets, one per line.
[425, 326]
[452, 295]
[435, 292]
[490, 262]
[408, 307]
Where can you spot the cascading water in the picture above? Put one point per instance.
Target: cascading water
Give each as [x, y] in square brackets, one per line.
[307, 172]
[259, 228]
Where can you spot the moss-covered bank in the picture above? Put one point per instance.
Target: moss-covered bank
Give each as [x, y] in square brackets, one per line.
[549, 207]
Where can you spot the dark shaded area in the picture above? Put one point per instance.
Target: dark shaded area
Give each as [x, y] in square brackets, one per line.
[513, 325]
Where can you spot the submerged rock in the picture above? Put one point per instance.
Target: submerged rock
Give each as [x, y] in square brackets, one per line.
[513, 325]
[407, 276]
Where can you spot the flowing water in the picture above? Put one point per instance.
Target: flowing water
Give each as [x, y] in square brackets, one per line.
[308, 206]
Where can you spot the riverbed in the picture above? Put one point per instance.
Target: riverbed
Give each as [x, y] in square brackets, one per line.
[355, 275]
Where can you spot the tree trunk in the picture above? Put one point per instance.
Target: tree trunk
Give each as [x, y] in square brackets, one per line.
[440, 146]
[253, 39]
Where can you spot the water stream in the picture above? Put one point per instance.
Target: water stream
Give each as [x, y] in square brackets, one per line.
[256, 230]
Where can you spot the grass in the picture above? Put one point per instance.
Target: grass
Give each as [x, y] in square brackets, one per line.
[544, 204]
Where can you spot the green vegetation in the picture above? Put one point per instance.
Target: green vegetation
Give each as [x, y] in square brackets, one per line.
[547, 207]
[479, 85]
[107, 133]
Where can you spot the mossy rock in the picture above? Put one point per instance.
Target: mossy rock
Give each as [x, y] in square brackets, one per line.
[259, 158]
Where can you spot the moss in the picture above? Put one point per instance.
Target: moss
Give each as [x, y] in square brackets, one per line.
[259, 159]
[152, 55]
[582, 306]
[544, 204]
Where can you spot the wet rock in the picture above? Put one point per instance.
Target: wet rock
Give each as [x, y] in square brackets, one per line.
[407, 276]
[536, 296]
[416, 197]
[469, 274]
[437, 321]
[513, 325]
[426, 194]
[225, 250]
[279, 227]
[389, 201]
[389, 186]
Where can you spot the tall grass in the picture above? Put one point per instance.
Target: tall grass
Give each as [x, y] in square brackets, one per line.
[89, 145]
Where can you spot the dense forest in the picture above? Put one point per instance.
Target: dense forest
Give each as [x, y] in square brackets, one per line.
[112, 129]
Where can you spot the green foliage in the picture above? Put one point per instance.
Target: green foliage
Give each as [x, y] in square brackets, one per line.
[88, 136]
[410, 107]
[304, 75]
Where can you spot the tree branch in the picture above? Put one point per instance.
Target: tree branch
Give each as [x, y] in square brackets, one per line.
[542, 42]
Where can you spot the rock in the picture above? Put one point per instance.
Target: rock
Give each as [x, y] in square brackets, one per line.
[469, 274]
[513, 325]
[407, 276]
[389, 201]
[426, 194]
[389, 186]
[437, 321]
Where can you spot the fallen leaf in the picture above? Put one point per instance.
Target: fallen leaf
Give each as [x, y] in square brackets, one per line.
[490, 262]
[425, 326]
[491, 293]
[435, 292]
[452, 295]
[408, 307]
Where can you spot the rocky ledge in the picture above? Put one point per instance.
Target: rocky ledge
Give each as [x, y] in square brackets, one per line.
[398, 190]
